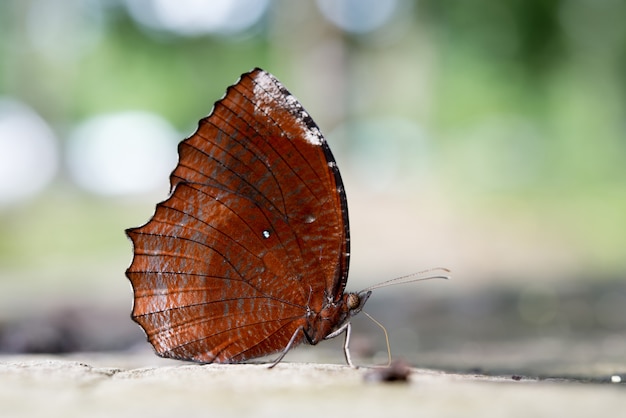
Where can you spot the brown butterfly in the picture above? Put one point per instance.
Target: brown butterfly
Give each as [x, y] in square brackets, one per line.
[249, 254]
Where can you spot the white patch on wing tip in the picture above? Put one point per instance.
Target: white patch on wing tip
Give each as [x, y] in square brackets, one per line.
[269, 93]
[313, 136]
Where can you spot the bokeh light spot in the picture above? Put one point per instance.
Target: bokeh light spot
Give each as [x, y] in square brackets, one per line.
[197, 17]
[358, 16]
[28, 152]
[122, 154]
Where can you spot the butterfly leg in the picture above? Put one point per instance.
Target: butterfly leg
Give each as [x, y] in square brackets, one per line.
[287, 348]
[346, 346]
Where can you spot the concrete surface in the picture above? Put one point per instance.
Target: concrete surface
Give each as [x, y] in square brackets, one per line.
[126, 385]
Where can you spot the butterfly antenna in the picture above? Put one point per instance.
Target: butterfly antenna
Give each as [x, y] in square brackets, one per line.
[434, 273]
[386, 337]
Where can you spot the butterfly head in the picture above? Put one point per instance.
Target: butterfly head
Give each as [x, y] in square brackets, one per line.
[355, 301]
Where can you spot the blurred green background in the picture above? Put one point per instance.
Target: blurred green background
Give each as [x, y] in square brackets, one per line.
[488, 137]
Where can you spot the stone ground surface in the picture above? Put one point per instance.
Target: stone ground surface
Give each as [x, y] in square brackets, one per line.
[123, 385]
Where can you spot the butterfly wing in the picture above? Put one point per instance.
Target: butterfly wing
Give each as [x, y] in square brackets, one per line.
[253, 235]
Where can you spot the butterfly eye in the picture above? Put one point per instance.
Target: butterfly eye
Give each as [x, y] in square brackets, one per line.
[353, 301]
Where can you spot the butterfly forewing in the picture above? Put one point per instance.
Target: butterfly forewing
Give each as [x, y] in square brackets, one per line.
[254, 233]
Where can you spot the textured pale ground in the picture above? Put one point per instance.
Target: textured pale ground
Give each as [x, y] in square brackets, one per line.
[125, 386]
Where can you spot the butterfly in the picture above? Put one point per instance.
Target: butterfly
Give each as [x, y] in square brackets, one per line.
[249, 254]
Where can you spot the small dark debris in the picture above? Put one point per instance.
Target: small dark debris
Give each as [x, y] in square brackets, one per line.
[397, 371]
[516, 377]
